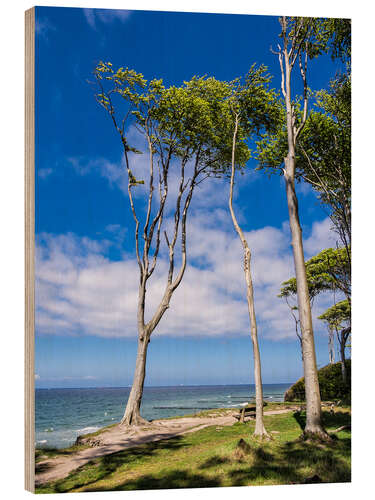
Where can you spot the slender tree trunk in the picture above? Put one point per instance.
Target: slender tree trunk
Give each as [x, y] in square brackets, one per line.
[259, 424]
[331, 347]
[132, 414]
[342, 354]
[313, 402]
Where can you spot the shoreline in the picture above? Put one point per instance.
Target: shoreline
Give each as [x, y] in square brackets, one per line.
[269, 409]
[200, 413]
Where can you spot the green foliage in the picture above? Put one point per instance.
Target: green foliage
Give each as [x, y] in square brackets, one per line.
[307, 34]
[197, 117]
[322, 35]
[338, 315]
[190, 121]
[330, 382]
[324, 153]
[323, 148]
[328, 270]
[337, 35]
[193, 120]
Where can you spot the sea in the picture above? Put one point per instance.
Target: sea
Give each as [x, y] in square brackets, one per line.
[63, 414]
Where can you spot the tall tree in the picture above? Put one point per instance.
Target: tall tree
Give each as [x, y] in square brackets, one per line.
[187, 130]
[338, 319]
[299, 43]
[260, 429]
[253, 107]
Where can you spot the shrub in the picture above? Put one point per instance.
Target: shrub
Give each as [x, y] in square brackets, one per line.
[330, 383]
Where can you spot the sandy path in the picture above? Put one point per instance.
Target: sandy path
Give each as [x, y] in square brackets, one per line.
[117, 439]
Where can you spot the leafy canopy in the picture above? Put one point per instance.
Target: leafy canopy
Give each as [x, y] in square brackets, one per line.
[325, 271]
[195, 119]
[337, 316]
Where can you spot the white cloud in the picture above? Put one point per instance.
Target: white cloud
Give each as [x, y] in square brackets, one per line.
[115, 173]
[105, 16]
[43, 28]
[43, 173]
[321, 237]
[81, 292]
[37, 377]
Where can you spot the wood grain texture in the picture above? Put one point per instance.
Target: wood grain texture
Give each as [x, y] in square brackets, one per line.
[29, 248]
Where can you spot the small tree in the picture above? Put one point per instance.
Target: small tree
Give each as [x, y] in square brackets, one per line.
[328, 271]
[288, 292]
[187, 130]
[338, 319]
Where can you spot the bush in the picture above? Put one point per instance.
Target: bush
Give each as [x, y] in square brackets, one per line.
[330, 383]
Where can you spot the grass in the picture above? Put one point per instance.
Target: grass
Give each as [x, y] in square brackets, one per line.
[213, 457]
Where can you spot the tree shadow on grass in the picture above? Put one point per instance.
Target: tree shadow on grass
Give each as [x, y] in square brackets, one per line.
[327, 460]
[336, 419]
[214, 461]
[171, 480]
[264, 466]
[102, 467]
[292, 462]
[300, 418]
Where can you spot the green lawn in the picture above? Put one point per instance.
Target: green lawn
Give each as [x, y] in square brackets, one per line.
[212, 457]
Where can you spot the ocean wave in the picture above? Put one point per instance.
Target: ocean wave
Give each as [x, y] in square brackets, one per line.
[181, 408]
[211, 401]
[87, 430]
[42, 441]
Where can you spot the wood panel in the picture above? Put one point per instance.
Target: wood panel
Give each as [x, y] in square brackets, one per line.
[29, 248]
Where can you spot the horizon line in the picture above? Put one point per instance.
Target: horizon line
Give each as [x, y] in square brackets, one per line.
[163, 386]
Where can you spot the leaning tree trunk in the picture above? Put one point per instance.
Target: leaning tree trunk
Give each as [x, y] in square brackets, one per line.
[259, 424]
[132, 414]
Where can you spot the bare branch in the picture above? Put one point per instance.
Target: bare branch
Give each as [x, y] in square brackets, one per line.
[282, 75]
[303, 70]
[147, 241]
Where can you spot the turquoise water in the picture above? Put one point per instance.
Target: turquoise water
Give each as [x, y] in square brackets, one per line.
[63, 414]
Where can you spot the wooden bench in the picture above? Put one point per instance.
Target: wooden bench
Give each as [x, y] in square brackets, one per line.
[247, 412]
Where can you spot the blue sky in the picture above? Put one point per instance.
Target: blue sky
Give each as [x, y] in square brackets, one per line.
[86, 273]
